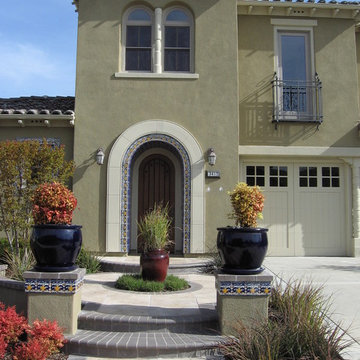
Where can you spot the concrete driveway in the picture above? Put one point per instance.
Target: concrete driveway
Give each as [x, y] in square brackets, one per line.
[340, 278]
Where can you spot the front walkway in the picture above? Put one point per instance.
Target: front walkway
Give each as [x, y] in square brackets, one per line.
[340, 278]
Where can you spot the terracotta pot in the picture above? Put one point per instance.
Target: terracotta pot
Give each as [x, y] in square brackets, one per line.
[154, 265]
[56, 247]
[242, 250]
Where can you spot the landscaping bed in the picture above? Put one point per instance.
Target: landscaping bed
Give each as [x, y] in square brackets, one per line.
[134, 282]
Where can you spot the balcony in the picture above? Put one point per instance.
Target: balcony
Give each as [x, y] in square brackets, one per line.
[297, 101]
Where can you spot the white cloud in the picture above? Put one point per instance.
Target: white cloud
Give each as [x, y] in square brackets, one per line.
[20, 62]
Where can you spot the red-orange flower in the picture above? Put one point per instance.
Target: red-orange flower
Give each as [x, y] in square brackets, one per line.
[53, 203]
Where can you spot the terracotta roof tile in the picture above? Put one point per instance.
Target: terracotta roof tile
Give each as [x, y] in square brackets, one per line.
[43, 105]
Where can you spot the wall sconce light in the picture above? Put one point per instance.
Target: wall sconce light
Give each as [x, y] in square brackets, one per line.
[100, 156]
[211, 157]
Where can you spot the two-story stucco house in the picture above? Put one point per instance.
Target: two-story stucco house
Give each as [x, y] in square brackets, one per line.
[271, 86]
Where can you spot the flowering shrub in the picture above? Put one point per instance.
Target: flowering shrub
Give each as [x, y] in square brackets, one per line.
[3, 346]
[248, 203]
[53, 203]
[24, 342]
[12, 325]
[49, 332]
[33, 349]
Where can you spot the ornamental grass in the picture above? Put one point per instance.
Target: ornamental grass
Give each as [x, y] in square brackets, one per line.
[154, 228]
[298, 328]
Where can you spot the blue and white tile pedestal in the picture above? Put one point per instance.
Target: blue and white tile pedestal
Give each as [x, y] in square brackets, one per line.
[55, 296]
[242, 297]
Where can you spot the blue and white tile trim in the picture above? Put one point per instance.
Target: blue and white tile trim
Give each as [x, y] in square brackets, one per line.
[243, 288]
[244, 285]
[126, 188]
[53, 286]
[54, 282]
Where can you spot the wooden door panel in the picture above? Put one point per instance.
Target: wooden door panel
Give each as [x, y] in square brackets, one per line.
[156, 186]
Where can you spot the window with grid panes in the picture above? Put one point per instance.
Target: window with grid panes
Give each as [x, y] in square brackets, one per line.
[278, 176]
[330, 176]
[138, 40]
[177, 41]
[255, 175]
[308, 176]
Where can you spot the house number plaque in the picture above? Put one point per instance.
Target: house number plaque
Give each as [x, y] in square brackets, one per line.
[213, 174]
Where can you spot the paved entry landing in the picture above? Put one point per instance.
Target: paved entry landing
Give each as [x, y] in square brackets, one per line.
[123, 324]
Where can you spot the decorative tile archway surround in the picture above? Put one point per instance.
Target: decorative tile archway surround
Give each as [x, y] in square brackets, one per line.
[126, 185]
[119, 183]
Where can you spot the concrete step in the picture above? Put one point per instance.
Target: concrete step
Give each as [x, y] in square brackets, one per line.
[141, 344]
[195, 322]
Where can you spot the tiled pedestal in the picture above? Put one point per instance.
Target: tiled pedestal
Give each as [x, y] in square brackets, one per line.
[55, 296]
[242, 297]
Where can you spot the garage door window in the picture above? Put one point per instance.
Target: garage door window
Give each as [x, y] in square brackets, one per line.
[278, 176]
[330, 176]
[307, 176]
[255, 175]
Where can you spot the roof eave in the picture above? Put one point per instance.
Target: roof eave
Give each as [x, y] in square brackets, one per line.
[299, 9]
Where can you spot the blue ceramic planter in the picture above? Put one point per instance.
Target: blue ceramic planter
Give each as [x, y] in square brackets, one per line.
[56, 247]
[242, 250]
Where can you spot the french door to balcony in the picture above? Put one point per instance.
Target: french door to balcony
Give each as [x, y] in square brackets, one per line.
[294, 72]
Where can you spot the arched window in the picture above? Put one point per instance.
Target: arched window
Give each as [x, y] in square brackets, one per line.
[178, 31]
[138, 41]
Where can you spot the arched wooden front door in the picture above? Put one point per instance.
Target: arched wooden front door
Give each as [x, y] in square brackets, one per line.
[156, 186]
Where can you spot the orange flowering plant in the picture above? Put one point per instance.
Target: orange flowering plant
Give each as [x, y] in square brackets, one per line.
[53, 203]
[247, 203]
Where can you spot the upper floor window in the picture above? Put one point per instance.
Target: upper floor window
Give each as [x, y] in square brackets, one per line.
[177, 41]
[154, 41]
[294, 70]
[296, 86]
[138, 40]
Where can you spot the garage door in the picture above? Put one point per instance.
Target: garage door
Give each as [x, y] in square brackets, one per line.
[304, 207]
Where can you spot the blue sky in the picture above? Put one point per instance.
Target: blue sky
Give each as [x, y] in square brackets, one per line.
[38, 48]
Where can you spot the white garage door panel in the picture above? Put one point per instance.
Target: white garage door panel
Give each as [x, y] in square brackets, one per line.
[305, 214]
[277, 219]
[319, 224]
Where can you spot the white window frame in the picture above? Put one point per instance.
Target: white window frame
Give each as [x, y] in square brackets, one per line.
[179, 23]
[300, 28]
[126, 22]
[158, 43]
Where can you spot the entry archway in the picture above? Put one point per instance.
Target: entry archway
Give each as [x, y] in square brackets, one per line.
[118, 216]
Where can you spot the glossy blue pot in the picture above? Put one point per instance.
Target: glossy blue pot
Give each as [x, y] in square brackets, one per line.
[242, 250]
[56, 247]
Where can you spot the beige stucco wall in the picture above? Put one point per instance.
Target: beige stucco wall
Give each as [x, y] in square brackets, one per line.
[106, 107]
[357, 39]
[335, 62]
[66, 135]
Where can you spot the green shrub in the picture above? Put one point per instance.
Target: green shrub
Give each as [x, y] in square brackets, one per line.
[23, 166]
[298, 328]
[134, 282]
[174, 283]
[88, 261]
[247, 204]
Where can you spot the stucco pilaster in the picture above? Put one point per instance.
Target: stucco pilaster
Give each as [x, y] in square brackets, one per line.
[355, 167]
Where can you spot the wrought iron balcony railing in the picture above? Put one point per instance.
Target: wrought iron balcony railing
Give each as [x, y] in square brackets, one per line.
[297, 101]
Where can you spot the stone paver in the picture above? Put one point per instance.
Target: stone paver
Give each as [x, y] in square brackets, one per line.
[338, 276]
